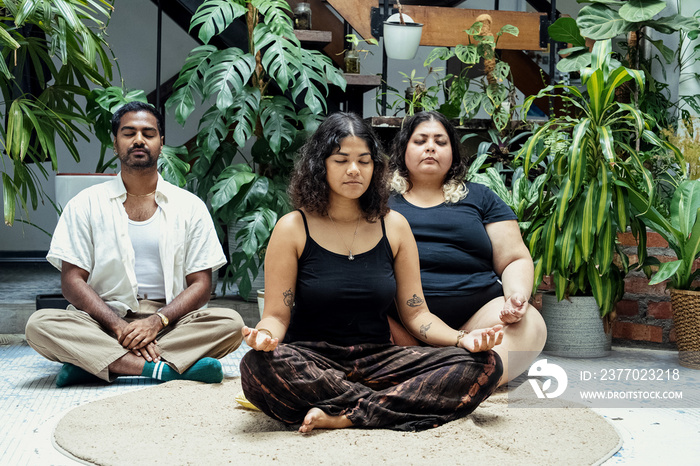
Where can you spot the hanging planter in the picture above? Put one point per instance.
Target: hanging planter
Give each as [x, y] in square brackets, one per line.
[401, 37]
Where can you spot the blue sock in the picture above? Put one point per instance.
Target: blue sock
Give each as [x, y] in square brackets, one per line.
[206, 370]
[71, 375]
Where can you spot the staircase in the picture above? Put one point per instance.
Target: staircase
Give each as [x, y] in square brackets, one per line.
[361, 15]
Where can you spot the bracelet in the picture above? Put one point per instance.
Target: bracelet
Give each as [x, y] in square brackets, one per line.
[460, 335]
[264, 330]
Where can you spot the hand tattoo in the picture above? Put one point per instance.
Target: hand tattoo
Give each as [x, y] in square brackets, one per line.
[288, 298]
[415, 301]
[424, 330]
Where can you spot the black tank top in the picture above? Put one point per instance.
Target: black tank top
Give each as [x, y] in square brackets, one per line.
[340, 301]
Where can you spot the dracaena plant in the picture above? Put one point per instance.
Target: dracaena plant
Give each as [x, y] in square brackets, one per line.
[50, 54]
[272, 93]
[585, 198]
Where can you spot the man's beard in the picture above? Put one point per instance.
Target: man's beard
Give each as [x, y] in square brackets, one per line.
[142, 163]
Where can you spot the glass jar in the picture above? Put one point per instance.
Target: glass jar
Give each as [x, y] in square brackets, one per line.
[302, 16]
[352, 61]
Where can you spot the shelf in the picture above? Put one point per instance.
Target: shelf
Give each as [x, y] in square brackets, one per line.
[313, 39]
[363, 82]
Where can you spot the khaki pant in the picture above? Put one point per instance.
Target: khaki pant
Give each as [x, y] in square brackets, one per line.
[72, 336]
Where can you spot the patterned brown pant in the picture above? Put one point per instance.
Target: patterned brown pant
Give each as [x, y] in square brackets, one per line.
[375, 385]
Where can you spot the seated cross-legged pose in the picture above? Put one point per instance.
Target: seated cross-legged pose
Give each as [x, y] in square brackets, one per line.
[322, 354]
[475, 269]
[136, 256]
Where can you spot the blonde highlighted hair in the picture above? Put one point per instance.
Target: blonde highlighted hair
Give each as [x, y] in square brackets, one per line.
[453, 190]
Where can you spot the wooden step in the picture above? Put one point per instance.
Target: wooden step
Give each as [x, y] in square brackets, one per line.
[313, 39]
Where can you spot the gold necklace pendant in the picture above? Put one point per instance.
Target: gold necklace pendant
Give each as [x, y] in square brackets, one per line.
[351, 257]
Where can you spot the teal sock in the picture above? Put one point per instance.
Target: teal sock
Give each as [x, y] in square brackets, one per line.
[71, 375]
[206, 370]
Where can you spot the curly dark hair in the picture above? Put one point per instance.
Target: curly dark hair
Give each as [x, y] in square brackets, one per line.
[397, 161]
[309, 187]
[135, 106]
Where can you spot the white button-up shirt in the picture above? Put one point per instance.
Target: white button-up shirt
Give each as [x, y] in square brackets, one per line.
[92, 233]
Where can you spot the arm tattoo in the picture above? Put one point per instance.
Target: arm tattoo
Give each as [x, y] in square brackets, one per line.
[288, 298]
[415, 301]
[424, 330]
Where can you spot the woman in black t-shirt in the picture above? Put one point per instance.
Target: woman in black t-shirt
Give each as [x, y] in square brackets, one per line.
[475, 269]
[322, 354]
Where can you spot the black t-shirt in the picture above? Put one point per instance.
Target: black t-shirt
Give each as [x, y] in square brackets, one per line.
[340, 301]
[456, 257]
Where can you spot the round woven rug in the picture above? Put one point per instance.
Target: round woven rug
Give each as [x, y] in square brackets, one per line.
[192, 423]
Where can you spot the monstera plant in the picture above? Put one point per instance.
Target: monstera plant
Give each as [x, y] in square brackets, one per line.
[50, 54]
[592, 170]
[272, 94]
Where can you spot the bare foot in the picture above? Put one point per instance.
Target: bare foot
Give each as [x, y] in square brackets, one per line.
[317, 419]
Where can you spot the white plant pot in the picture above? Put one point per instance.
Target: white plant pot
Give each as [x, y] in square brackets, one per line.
[401, 41]
[70, 184]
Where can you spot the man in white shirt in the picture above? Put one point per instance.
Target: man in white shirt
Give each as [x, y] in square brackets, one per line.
[136, 256]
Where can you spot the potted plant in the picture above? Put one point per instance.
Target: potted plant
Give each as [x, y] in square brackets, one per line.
[50, 53]
[352, 55]
[260, 104]
[607, 20]
[592, 170]
[682, 232]
[493, 91]
[401, 35]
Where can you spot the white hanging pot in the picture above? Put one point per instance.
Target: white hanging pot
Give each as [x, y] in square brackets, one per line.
[401, 40]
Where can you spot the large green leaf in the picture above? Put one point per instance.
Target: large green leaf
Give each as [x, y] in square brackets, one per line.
[574, 63]
[669, 24]
[600, 22]
[310, 82]
[245, 115]
[467, 54]
[605, 246]
[636, 11]
[171, 165]
[228, 72]
[602, 209]
[578, 155]
[276, 14]
[229, 183]
[666, 271]
[685, 205]
[438, 53]
[190, 82]
[277, 117]
[587, 233]
[595, 85]
[550, 245]
[566, 241]
[214, 16]
[566, 30]
[213, 127]
[280, 55]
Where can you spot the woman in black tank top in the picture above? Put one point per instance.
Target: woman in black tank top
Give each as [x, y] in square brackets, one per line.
[322, 354]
